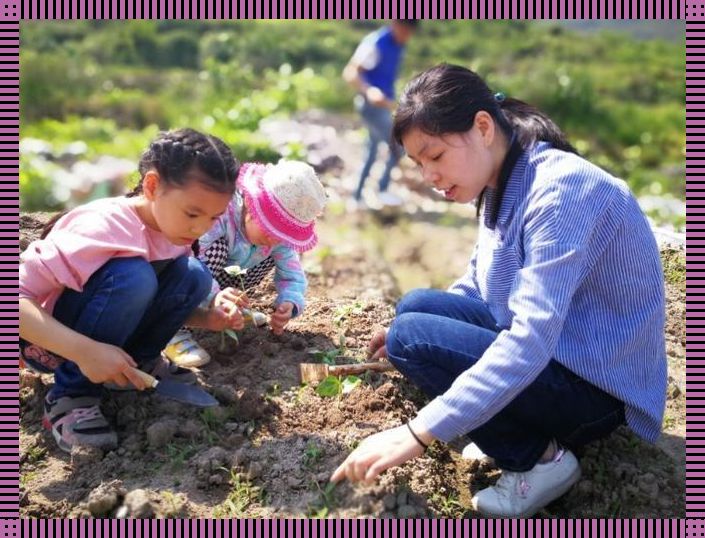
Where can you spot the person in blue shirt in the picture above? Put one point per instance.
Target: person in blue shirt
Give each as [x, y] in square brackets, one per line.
[372, 72]
[555, 335]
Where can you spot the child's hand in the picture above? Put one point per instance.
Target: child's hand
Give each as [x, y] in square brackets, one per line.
[378, 345]
[281, 317]
[225, 316]
[111, 364]
[225, 312]
[232, 295]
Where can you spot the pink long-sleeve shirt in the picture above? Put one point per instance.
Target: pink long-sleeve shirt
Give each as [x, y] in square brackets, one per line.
[84, 240]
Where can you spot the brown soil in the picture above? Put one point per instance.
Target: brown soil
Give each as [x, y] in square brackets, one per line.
[270, 447]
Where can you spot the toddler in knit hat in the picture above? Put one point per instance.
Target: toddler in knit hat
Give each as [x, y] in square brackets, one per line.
[269, 221]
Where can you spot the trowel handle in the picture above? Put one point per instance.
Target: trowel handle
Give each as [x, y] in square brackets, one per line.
[349, 369]
[148, 379]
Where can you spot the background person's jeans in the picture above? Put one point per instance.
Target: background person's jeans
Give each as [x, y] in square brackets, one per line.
[437, 335]
[378, 121]
[125, 303]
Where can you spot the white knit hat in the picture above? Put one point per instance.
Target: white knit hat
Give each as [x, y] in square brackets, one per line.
[296, 187]
[285, 200]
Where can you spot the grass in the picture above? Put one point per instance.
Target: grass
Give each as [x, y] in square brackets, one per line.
[674, 267]
[213, 419]
[172, 504]
[447, 504]
[26, 478]
[242, 495]
[179, 453]
[312, 454]
[35, 454]
[346, 311]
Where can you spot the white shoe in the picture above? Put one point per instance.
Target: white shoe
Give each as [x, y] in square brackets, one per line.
[524, 494]
[386, 198]
[184, 351]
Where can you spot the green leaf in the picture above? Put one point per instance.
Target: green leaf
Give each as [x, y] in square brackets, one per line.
[350, 382]
[232, 334]
[329, 387]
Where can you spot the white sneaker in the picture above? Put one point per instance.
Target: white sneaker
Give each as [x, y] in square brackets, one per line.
[524, 494]
[387, 198]
[184, 351]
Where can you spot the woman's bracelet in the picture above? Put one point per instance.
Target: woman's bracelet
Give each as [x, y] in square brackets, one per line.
[418, 440]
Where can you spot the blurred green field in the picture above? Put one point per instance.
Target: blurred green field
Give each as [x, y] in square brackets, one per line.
[113, 84]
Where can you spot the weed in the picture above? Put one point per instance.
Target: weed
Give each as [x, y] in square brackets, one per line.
[178, 454]
[447, 505]
[312, 455]
[326, 501]
[35, 454]
[172, 504]
[242, 495]
[343, 312]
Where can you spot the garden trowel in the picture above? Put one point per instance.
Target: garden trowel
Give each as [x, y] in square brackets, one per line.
[311, 371]
[181, 392]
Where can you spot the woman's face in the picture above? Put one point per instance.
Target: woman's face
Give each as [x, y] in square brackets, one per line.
[459, 165]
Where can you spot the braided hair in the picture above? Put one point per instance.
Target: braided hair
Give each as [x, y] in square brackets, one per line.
[174, 155]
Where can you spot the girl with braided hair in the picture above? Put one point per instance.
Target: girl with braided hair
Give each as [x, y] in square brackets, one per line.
[109, 283]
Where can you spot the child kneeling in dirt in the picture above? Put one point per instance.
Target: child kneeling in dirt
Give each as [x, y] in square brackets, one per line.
[106, 287]
[270, 219]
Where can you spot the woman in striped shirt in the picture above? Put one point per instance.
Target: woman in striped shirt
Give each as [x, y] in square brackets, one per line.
[555, 335]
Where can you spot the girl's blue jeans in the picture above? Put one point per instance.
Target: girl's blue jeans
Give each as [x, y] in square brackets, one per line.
[437, 335]
[127, 303]
[378, 121]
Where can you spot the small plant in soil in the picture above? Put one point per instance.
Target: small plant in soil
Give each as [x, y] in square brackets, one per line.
[343, 312]
[179, 453]
[312, 455]
[448, 505]
[242, 495]
[172, 504]
[326, 501]
[333, 386]
[35, 454]
[239, 273]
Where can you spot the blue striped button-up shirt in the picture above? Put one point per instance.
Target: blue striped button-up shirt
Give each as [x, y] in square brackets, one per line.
[571, 271]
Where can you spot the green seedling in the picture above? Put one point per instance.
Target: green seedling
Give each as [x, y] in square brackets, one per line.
[333, 386]
[237, 272]
[448, 505]
[326, 357]
[35, 454]
[326, 501]
[344, 312]
[312, 455]
[241, 496]
[178, 454]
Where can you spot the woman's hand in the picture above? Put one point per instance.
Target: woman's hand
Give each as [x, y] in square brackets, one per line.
[110, 364]
[377, 350]
[281, 316]
[378, 453]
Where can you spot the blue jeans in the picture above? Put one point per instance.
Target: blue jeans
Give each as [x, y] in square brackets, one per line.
[127, 304]
[379, 126]
[437, 335]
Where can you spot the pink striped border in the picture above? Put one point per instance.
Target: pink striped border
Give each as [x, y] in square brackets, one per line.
[251, 9]
[12, 11]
